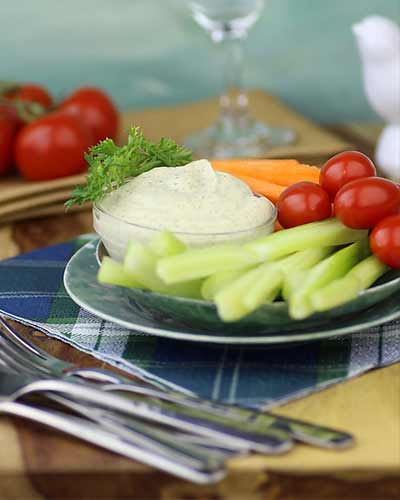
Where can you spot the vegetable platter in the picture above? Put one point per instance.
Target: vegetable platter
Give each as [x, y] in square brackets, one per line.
[335, 250]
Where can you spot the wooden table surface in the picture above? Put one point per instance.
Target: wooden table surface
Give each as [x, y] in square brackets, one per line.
[37, 463]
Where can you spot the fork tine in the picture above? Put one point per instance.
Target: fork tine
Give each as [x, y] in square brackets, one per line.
[17, 360]
[16, 350]
[41, 357]
[8, 363]
[51, 365]
[4, 364]
[17, 339]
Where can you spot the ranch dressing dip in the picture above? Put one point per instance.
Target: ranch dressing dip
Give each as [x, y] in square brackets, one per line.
[200, 205]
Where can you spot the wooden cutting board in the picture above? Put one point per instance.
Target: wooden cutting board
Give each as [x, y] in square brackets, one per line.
[15, 188]
[22, 200]
[41, 211]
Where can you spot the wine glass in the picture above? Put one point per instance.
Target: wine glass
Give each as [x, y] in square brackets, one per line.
[235, 133]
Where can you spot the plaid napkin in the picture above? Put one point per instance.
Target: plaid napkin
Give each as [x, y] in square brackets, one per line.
[32, 291]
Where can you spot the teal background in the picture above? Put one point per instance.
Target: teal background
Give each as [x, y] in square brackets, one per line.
[150, 52]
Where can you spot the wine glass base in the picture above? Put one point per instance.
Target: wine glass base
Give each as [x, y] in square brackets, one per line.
[253, 140]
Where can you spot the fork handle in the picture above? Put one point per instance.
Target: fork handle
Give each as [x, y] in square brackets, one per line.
[96, 435]
[150, 436]
[172, 414]
[305, 432]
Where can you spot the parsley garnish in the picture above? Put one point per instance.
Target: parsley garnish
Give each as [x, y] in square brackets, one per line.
[110, 166]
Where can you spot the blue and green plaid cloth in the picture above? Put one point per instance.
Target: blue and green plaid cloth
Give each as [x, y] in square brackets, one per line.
[32, 291]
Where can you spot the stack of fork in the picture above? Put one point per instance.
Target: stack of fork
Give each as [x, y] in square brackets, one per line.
[184, 435]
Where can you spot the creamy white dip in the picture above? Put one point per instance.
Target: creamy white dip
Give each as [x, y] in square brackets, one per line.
[193, 199]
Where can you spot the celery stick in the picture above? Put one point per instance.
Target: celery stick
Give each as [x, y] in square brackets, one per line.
[331, 268]
[112, 272]
[272, 275]
[304, 259]
[268, 278]
[141, 263]
[368, 271]
[229, 301]
[273, 294]
[203, 262]
[248, 292]
[330, 232]
[294, 265]
[266, 286]
[187, 289]
[217, 282]
[336, 293]
[342, 290]
[292, 282]
[164, 244]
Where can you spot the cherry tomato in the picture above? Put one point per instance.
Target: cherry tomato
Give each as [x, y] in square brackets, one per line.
[363, 203]
[95, 109]
[343, 168]
[385, 241]
[52, 147]
[32, 93]
[302, 203]
[8, 130]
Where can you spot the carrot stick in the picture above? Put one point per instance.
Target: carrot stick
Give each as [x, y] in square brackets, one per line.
[267, 189]
[282, 172]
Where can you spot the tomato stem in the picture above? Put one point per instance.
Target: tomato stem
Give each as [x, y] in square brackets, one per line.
[8, 88]
[27, 111]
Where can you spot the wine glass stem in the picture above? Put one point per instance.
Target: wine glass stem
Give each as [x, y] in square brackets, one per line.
[234, 111]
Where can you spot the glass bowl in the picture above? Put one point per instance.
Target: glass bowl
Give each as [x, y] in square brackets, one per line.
[116, 233]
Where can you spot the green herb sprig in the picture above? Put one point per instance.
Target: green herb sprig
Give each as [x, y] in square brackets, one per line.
[110, 166]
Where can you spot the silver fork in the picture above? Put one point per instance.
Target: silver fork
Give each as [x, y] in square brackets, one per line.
[99, 436]
[11, 359]
[228, 434]
[266, 421]
[201, 461]
[144, 449]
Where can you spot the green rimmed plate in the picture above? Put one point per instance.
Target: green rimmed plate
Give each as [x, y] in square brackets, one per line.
[146, 312]
[268, 318]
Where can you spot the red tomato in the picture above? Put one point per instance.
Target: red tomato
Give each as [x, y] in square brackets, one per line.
[343, 168]
[385, 241]
[363, 203]
[10, 111]
[302, 203]
[32, 93]
[95, 109]
[8, 129]
[52, 147]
